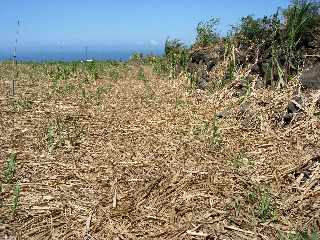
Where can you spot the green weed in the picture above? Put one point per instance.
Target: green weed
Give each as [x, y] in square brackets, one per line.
[206, 32]
[10, 168]
[101, 90]
[92, 70]
[216, 138]
[266, 211]
[301, 235]
[179, 103]
[1, 196]
[51, 139]
[23, 104]
[241, 160]
[114, 75]
[141, 75]
[209, 131]
[16, 197]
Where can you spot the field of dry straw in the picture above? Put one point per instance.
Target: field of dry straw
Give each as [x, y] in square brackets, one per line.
[122, 153]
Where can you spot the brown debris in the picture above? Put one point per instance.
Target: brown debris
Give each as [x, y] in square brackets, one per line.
[140, 164]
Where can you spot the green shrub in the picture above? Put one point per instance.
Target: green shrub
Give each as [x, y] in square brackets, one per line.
[257, 30]
[300, 18]
[177, 56]
[10, 168]
[16, 197]
[266, 211]
[136, 57]
[301, 235]
[207, 33]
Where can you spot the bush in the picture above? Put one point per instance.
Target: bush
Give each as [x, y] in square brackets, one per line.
[176, 55]
[173, 46]
[251, 30]
[206, 32]
[300, 17]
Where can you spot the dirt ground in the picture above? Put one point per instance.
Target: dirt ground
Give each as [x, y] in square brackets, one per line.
[138, 156]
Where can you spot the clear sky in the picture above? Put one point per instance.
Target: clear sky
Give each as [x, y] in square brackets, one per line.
[117, 25]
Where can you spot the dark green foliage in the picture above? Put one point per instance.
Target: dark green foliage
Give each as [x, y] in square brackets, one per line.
[301, 235]
[300, 18]
[173, 62]
[177, 56]
[274, 45]
[266, 210]
[10, 168]
[207, 33]
[173, 47]
[257, 30]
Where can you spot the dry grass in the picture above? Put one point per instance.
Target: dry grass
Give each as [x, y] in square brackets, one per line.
[138, 161]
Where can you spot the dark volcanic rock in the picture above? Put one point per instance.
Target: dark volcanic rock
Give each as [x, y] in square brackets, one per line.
[202, 83]
[318, 103]
[199, 56]
[295, 105]
[210, 65]
[203, 79]
[310, 79]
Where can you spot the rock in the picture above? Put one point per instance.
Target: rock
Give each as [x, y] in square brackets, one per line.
[260, 83]
[207, 58]
[295, 105]
[220, 114]
[200, 56]
[318, 103]
[287, 119]
[210, 65]
[310, 79]
[202, 83]
[202, 79]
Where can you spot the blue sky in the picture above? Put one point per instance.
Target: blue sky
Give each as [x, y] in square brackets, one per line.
[119, 25]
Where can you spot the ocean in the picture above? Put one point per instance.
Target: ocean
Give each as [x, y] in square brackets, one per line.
[45, 56]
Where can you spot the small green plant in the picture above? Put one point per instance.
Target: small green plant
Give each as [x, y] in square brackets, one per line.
[101, 90]
[301, 235]
[266, 210]
[23, 104]
[10, 168]
[191, 80]
[16, 197]
[51, 138]
[114, 74]
[206, 32]
[209, 132]
[240, 160]
[141, 75]
[1, 197]
[179, 103]
[136, 57]
[92, 70]
[247, 87]
[252, 196]
[176, 57]
[216, 138]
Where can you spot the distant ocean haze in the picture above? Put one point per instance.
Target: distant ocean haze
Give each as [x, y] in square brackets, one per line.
[65, 55]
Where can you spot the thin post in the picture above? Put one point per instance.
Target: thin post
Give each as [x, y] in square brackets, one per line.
[13, 87]
[86, 52]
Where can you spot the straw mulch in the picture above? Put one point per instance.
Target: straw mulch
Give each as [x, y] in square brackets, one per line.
[148, 160]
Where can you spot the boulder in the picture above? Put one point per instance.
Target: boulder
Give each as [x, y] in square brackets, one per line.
[310, 79]
[318, 103]
[295, 105]
[203, 79]
[202, 84]
[200, 57]
[205, 57]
